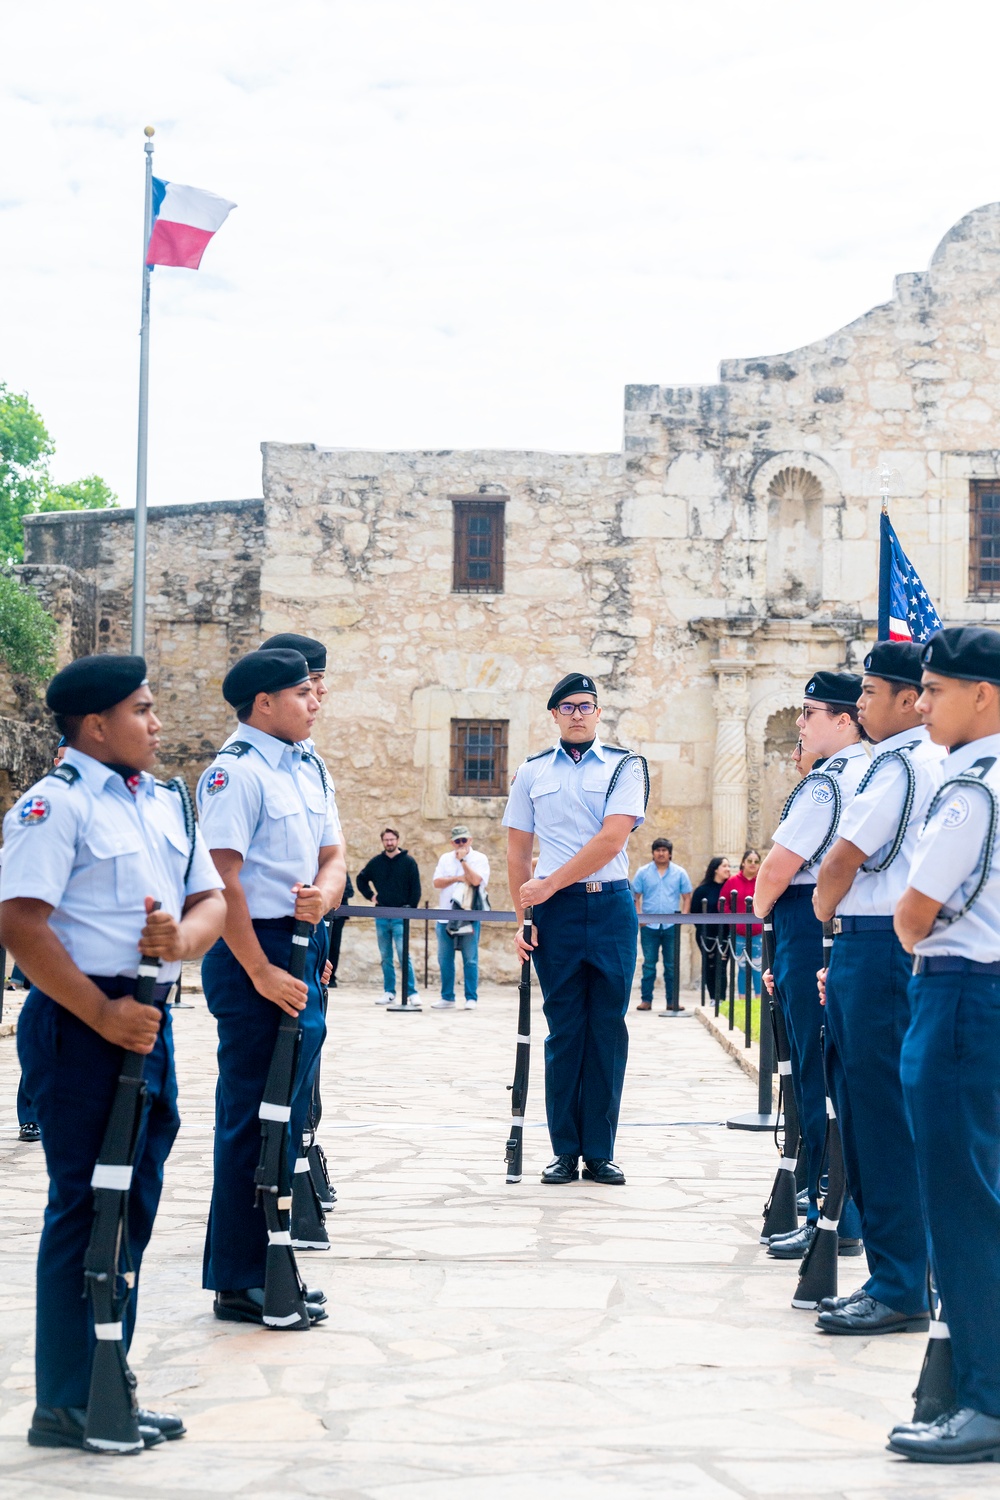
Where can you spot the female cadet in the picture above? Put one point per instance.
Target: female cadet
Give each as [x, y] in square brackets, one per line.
[86, 853]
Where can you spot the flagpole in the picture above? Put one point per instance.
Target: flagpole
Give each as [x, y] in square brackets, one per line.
[139, 543]
[884, 558]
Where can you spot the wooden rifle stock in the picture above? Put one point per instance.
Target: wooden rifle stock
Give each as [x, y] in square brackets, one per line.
[112, 1410]
[522, 1061]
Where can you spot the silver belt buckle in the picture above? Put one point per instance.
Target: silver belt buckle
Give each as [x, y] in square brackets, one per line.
[838, 927]
[593, 886]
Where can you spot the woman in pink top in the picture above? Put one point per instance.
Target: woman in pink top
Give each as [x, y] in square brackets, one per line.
[743, 883]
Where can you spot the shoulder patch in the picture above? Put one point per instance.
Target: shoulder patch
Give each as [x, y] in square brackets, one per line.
[216, 781]
[822, 794]
[956, 812]
[539, 753]
[833, 768]
[237, 748]
[66, 773]
[33, 811]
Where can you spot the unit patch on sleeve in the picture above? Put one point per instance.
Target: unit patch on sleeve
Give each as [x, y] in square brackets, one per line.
[216, 782]
[34, 811]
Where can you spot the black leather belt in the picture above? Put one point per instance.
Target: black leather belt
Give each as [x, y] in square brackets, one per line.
[274, 924]
[796, 893]
[844, 925]
[594, 887]
[116, 986]
[950, 963]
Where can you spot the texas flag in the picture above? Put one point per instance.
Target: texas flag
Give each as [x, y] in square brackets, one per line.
[184, 220]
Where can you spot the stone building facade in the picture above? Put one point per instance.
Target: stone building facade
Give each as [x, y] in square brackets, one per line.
[701, 574]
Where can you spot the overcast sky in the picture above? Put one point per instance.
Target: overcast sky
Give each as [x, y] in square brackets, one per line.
[460, 224]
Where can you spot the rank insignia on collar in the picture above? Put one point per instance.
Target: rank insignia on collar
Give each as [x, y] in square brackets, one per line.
[217, 781]
[34, 811]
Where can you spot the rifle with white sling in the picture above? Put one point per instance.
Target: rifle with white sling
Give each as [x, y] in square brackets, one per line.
[112, 1410]
[519, 1088]
[284, 1289]
[780, 1211]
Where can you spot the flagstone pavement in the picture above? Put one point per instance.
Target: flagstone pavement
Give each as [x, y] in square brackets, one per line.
[485, 1341]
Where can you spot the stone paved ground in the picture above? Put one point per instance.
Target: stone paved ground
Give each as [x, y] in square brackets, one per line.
[486, 1341]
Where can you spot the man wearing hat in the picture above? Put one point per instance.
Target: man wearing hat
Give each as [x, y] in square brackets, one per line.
[828, 727]
[87, 852]
[271, 824]
[582, 799]
[867, 1011]
[949, 918]
[459, 875]
[314, 652]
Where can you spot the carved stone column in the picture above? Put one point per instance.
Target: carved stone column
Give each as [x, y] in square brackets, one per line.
[730, 780]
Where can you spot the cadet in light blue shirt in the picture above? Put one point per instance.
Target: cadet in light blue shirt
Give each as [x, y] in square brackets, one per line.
[582, 799]
[269, 818]
[660, 886]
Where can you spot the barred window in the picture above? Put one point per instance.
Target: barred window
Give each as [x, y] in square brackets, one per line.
[984, 536]
[478, 757]
[478, 553]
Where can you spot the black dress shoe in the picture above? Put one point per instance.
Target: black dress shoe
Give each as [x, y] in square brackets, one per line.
[247, 1306]
[598, 1169]
[172, 1427]
[848, 1249]
[561, 1169]
[64, 1426]
[29, 1131]
[792, 1246]
[962, 1436]
[867, 1315]
[834, 1304]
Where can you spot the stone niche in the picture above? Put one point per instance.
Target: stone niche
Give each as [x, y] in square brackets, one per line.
[794, 542]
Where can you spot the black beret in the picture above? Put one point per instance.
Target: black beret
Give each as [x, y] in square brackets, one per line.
[263, 672]
[313, 651]
[91, 684]
[573, 682]
[967, 651]
[840, 688]
[896, 661]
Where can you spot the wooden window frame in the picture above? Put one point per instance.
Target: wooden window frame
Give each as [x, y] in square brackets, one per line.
[464, 507]
[980, 587]
[460, 784]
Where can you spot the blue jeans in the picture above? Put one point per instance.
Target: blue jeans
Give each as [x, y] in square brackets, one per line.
[741, 968]
[656, 940]
[389, 931]
[468, 946]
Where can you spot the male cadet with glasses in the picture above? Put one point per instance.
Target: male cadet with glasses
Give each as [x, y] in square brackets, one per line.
[828, 727]
[272, 827]
[87, 852]
[583, 799]
[867, 1010]
[949, 918]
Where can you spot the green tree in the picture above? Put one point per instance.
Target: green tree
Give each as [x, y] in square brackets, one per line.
[27, 631]
[26, 487]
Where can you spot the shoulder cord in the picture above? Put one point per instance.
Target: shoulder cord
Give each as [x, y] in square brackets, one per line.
[179, 785]
[986, 855]
[904, 817]
[834, 785]
[317, 761]
[619, 768]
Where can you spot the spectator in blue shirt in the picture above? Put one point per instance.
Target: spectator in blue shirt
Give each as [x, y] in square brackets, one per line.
[660, 886]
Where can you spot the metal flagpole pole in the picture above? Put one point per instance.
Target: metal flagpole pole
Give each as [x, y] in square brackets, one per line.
[139, 544]
[884, 555]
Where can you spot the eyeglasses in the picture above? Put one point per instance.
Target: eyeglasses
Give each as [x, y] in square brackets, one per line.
[460, 841]
[568, 709]
[811, 709]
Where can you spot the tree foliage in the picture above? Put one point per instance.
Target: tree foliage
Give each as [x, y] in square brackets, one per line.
[27, 631]
[26, 486]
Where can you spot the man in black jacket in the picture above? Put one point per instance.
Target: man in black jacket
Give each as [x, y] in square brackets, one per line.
[396, 881]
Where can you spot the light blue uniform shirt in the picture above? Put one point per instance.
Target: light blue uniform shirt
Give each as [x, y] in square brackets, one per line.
[949, 859]
[563, 801]
[812, 812]
[94, 852]
[660, 892]
[871, 823]
[270, 805]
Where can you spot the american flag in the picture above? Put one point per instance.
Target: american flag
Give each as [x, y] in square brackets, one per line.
[905, 609]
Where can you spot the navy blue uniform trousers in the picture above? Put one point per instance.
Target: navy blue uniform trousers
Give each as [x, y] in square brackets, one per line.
[951, 1085]
[71, 1075]
[798, 955]
[236, 1241]
[585, 961]
[867, 1015]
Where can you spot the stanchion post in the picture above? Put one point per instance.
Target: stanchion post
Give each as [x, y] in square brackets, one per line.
[674, 1010]
[748, 974]
[427, 929]
[765, 1117]
[404, 964]
[703, 953]
[731, 958]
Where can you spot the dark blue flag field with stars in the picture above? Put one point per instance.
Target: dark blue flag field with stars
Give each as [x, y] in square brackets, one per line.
[905, 609]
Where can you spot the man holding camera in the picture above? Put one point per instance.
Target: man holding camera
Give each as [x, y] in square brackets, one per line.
[460, 874]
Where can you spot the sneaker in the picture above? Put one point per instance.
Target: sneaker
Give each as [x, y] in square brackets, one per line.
[471, 1004]
[443, 1005]
[413, 995]
[387, 999]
